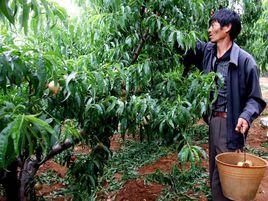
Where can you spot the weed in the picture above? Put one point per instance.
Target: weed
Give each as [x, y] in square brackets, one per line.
[126, 162]
[256, 151]
[50, 177]
[199, 133]
[264, 144]
[182, 184]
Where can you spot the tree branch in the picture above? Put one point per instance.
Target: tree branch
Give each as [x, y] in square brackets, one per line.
[139, 48]
[56, 150]
[143, 10]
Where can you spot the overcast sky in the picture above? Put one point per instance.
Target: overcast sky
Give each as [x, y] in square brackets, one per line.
[70, 7]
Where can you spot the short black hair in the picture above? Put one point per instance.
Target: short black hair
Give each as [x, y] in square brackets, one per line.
[226, 16]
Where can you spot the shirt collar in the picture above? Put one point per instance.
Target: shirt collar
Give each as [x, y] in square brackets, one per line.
[225, 57]
[234, 53]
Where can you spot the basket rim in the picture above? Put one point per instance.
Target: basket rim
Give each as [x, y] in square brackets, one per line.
[232, 165]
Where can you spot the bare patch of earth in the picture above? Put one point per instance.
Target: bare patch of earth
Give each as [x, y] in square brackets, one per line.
[135, 190]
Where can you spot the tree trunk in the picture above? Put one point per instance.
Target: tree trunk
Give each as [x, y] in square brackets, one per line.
[10, 182]
[26, 175]
[18, 179]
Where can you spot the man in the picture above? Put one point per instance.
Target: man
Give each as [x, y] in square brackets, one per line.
[239, 99]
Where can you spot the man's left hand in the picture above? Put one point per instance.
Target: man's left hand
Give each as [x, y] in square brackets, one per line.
[242, 126]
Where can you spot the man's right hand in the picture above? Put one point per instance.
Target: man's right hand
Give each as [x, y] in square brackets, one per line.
[242, 126]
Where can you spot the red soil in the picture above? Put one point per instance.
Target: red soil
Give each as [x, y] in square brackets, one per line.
[82, 149]
[116, 142]
[51, 165]
[164, 164]
[136, 190]
[48, 189]
[257, 136]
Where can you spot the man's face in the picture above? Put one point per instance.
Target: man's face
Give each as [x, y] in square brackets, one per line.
[217, 33]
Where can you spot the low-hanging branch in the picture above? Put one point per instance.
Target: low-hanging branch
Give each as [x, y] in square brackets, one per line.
[56, 150]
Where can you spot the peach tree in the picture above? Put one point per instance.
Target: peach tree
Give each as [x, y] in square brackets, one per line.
[114, 68]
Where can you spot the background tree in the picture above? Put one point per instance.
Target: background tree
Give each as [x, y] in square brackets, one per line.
[257, 42]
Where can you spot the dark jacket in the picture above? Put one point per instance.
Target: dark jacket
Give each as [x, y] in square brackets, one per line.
[244, 97]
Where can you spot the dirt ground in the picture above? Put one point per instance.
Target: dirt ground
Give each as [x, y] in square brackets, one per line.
[257, 136]
[137, 190]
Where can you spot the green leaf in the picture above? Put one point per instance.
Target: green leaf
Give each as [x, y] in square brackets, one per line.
[112, 105]
[184, 154]
[171, 38]
[17, 125]
[92, 181]
[4, 8]
[158, 21]
[25, 16]
[4, 141]
[121, 107]
[170, 122]
[70, 77]
[191, 156]
[200, 151]
[7, 152]
[60, 12]
[196, 155]
[67, 81]
[98, 107]
[29, 138]
[11, 156]
[180, 39]
[41, 124]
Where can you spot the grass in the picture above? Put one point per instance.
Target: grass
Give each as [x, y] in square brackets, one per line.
[256, 151]
[50, 177]
[199, 134]
[129, 159]
[133, 155]
[265, 144]
[182, 184]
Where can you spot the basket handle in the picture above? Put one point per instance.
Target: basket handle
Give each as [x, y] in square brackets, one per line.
[243, 149]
